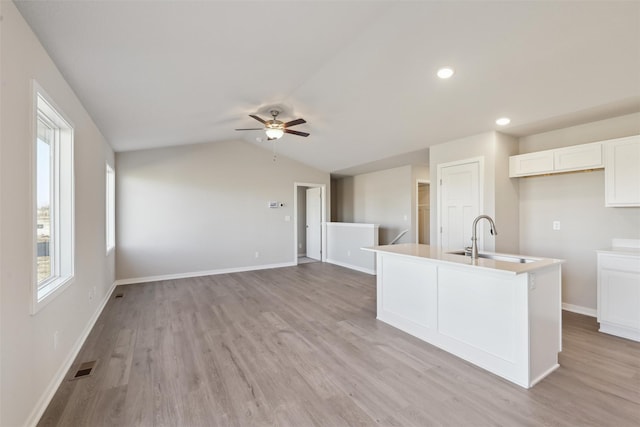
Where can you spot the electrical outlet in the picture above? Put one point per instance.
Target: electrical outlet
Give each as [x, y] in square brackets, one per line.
[299, 245]
[348, 253]
[257, 254]
[556, 225]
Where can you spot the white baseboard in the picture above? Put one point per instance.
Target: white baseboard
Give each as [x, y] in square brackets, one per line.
[201, 273]
[351, 266]
[580, 309]
[60, 375]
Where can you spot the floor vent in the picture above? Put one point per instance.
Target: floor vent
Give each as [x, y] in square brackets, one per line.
[120, 295]
[85, 370]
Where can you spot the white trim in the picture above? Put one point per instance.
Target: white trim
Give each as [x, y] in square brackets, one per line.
[353, 224]
[323, 219]
[64, 153]
[352, 267]
[202, 273]
[417, 210]
[60, 375]
[579, 309]
[543, 375]
[620, 331]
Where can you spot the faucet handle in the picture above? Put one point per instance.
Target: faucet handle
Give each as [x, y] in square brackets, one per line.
[467, 251]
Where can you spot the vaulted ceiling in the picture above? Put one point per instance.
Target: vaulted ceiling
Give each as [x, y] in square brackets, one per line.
[362, 73]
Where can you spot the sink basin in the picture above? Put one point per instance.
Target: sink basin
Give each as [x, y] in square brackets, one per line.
[497, 257]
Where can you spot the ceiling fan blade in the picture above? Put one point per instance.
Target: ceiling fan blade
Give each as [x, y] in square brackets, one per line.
[257, 118]
[295, 122]
[252, 129]
[295, 132]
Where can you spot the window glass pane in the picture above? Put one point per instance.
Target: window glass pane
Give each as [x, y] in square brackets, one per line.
[44, 186]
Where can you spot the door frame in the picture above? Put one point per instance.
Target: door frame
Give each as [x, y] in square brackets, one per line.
[418, 182]
[323, 218]
[439, 167]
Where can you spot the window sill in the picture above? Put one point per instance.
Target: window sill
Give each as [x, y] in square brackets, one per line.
[44, 296]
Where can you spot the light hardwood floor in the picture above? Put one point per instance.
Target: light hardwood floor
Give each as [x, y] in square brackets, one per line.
[300, 346]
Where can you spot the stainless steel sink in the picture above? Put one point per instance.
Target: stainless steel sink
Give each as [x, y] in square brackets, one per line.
[506, 258]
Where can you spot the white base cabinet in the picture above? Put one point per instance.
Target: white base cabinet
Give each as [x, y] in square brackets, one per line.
[619, 293]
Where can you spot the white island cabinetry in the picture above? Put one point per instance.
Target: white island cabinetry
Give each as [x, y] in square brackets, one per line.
[504, 317]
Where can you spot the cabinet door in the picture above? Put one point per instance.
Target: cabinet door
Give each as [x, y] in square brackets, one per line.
[537, 163]
[622, 172]
[619, 291]
[578, 157]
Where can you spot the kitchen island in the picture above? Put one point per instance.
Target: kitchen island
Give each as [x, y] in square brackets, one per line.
[501, 313]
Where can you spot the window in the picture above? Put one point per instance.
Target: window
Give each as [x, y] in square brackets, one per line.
[54, 223]
[111, 208]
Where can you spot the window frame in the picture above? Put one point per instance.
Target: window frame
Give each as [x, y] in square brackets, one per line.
[110, 203]
[62, 200]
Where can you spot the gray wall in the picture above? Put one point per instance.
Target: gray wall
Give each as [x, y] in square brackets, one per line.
[577, 201]
[30, 366]
[204, 207]
[383, 198]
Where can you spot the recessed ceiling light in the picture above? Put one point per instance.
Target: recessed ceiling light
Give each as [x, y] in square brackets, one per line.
[503, 121]
[445, 72]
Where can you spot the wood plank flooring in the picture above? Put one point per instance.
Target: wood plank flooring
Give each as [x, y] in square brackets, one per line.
[300, 346]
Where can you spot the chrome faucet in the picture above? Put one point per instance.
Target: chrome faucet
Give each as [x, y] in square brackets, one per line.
[474, 238]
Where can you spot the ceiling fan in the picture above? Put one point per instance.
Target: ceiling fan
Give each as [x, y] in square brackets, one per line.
[275, 128]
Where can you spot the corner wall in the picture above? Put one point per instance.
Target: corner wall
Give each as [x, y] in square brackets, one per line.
[204, 208]
[577, 201]
[384, 198]
[30, 366]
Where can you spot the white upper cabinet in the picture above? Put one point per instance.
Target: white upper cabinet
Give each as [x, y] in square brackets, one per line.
[537, 163]
[566, 159]
[578, 157]
[622, 172]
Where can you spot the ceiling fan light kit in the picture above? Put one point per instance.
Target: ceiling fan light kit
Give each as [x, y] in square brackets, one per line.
[275, 129]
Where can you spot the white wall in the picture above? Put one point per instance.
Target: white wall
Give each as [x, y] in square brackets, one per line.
[383, 197]
[30, 368]
[344, 243]
[202, 208]
[500, 194]
[577, 201]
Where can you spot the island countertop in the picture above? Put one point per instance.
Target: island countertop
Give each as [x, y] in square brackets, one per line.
[416, 250]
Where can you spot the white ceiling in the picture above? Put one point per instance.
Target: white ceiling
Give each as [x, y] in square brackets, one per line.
[361, 73]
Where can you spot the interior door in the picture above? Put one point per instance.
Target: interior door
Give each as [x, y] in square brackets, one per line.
[459, 204]
[314, 220]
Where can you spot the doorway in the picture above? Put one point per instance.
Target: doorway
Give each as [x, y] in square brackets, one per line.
[309, 217]
[423, 206]
[459, 201]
